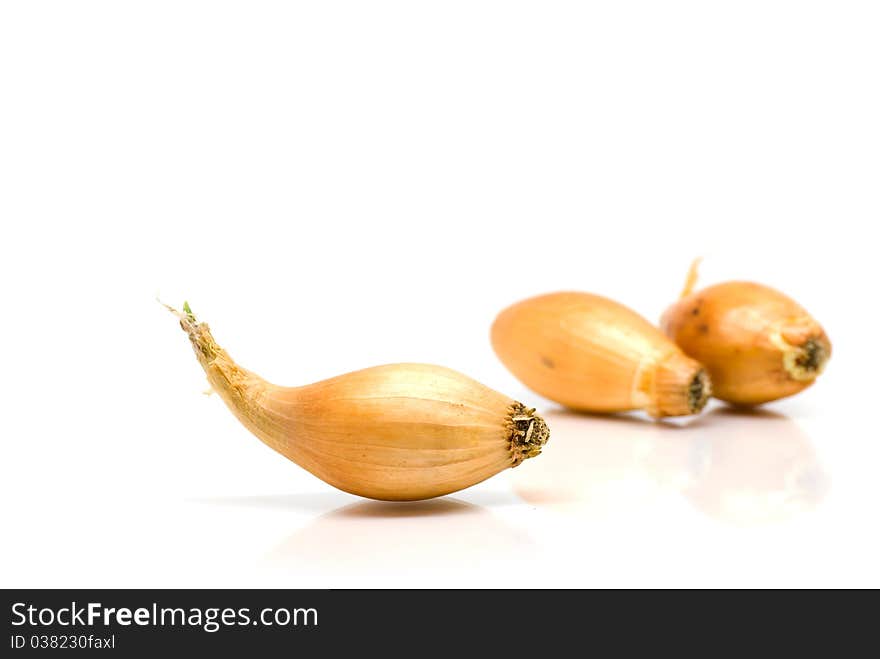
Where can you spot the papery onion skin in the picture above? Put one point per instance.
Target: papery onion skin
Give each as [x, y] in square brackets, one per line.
[398, 432]
[757, 344]
[593, 354]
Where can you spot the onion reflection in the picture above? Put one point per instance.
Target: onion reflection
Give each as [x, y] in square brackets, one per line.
[739, 467]
[755, 467]
[600, 466]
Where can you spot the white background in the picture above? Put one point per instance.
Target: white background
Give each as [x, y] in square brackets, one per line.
[335, 185]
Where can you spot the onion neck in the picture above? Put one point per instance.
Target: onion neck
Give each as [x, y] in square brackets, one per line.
[241, 390]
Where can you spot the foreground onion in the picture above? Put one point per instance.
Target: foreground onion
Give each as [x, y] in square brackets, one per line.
[397, 432]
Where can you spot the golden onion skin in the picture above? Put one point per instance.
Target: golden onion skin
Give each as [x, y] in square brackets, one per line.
[398, 432]
[757, 344]
[593, 354]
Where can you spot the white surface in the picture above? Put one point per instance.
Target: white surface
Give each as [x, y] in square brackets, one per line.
[335, 185]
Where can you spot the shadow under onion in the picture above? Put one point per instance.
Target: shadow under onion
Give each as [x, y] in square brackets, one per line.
[373, 537]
